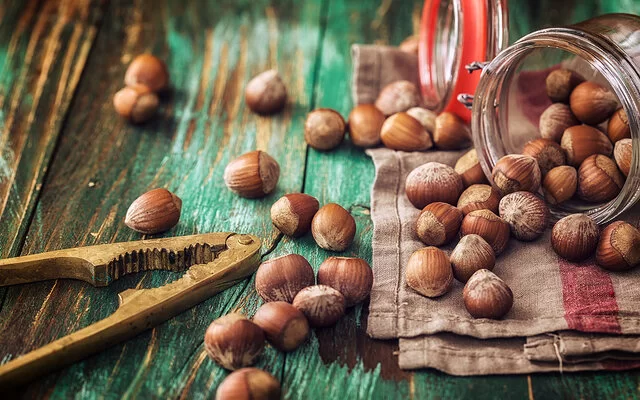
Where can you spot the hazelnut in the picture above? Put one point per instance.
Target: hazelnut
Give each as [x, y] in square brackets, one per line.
[547, 153]
[249, 383]
[285, 327]
[487, 296]
[155, 211]
[451, 133]
[403, 132]
[281, 278]
[322, 305]
[618, 127]
[526, 214]
[582, 141]
[252, 175]
[427, 118]
[592, 103]
[599, 179]
[429, 272]
[515, 173]
[233, 341]
[292, 213]
[489, 226]
[479, 197]
[560, 84]
[470, 255]
[137, 103]
[410, 44]
[333, 228]
[619, 247]
[398, 96]
[365, 124]
[266, 93]
[438, 224]
[147, 70]
[555, 120]
[469, 169]
[575, 237]
[622, 152]
[433, 182]
[350, 276]
[324, 129]
[560, 184]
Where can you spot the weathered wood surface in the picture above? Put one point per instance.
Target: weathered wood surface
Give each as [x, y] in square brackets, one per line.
[102, 163]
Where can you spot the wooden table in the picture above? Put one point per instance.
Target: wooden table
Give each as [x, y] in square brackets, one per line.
[70, 167]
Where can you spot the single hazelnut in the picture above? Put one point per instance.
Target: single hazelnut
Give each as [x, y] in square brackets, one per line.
[487, 296]
[137, 103]
[619, 247]
[365, 124]
[349, 275]
[547, 153]
[560, 184]
[526, 214]
[623, 152]
[515, 173]
[249, 383]
[398, 96]
[155, 211]
[618, 127]
[438, 224]
[599, 179]
[147, 70]
[285, 327]
[582, 141]
[233, 341]
[560, 83]
[410, 44]
[266, 93]
[281, 278]
[252, 175]
[451, 133]
[403, 132]
[429, 272]
[427, 118]
[324, 129]
[322, 305]
[471, 254]
[575, 237]
[292, 213]
[433, 182]
[489, 226]
[592, 103]
[555, 120]
[479, 197]
[333, 228]
[469, 168]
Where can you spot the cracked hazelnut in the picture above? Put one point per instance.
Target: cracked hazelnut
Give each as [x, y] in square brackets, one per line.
[155, 211]
[349, 275]
[575, 237]
[470, 255]
[582, 141]
[547, 153]
[479, 197]
[526, 214]
[515, 172]
[618, 127]
[322, 305]
[599, 179]
[555, 120]
[281, 278]
[233, 341]
[623, 152]
[619, 247]
[137, 103]
[266, 93]
[432, 182]
[249, 383]
[469, 168]
[398, 96]
[285, 327]
[403, 132]
[324, 129]
[560, 184]
[487, 296]
[252, 175]
[438, 224]
[592, 103]
[147, 70]
[292, 213]
[560, 83]
[489, 226]
[451, 133]
[365, 124]
[429, 272]
[333, 228]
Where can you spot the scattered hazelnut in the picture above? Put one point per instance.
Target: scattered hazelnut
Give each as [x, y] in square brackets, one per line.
[427, 118]
[560, 184]
[324, 129]
[438, 224]
[147, 70]
[292, 213]
[547, 153]
[487, 296]
[599, 179]
[398, 96]
[489, 226]
[592, 103]
[137, 103]
[281, 278]
[266, 93]
[479, 197]
[560, 84]
[365, 124]
[470, 255]
[555, 120]
[410, 44]
[582, 141]
[252, 175]
[429, 272]
[350, 276]
[333, 228]
[155, 211]
[619, 247]
[622, 153]
[285, 327]
[403, 132]
[249, 383]
[451, 133]
[322, 305]
[233, 341]
[515, 173]
[526, 214]
[575, 237]
[618, 127]
[433, 182]
[469, 169]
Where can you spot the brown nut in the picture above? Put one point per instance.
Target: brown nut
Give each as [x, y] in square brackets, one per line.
[410, 44]
[285, 327]
[155, 211]
[619, 247]
[427, 118]
[560, 83]
[560, 184]
[252, 175]
[365, 124]
[281, 278]
[398, 96]
[333, 228]
[451, 133]
[266, 93]
[623, 152]
[322, 305]
[469, 169]
[592, 103]
[582, 141]
[147, 70]
[575, 237]
[526, 214]
[429, 272]
[547, 153]
[433, 182]
[479, 197]
[137, 103]
[489, 226]
[324, 129]
[599, 179]
[249, 383]
[618, 127]
[233, 341]
[555, 120]
[487, 296]
[292, 213]
[349, 275]
[515, 173]
[470, 255]
[438, 224]
[403, 132]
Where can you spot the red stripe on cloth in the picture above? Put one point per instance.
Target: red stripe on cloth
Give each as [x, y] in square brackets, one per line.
[589, 298]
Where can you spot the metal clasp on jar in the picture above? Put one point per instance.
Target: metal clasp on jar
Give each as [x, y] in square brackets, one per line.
[465, 98]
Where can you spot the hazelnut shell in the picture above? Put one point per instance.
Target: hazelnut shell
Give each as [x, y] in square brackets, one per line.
[252, 175]
[147, 70]
[489, 226]
[350, 276]
[575, 237]
[432, 182]
[547, 153]
[155, 211]
[438, 224]
[451, 132]
[333, 228]
[479, 197]
[365, 124]
[233, 341]
[292, 213]
[429, 272]
[560, 184]
[515, 173]
[487, 296]
[560, 83]
[398, 96]
[403, 132]
[469, 168]
[427, 118]
[281, 278]
[471, 254]
[136, 103]
[619, 247]
[618, 127]
[526, 214]
[582, 141]
[623, 152]
[599, 179]
[555, 120]
[322, 305]
[324, 129]
[284, 326]
[249, 383]
[592, 103]
[266, 93]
